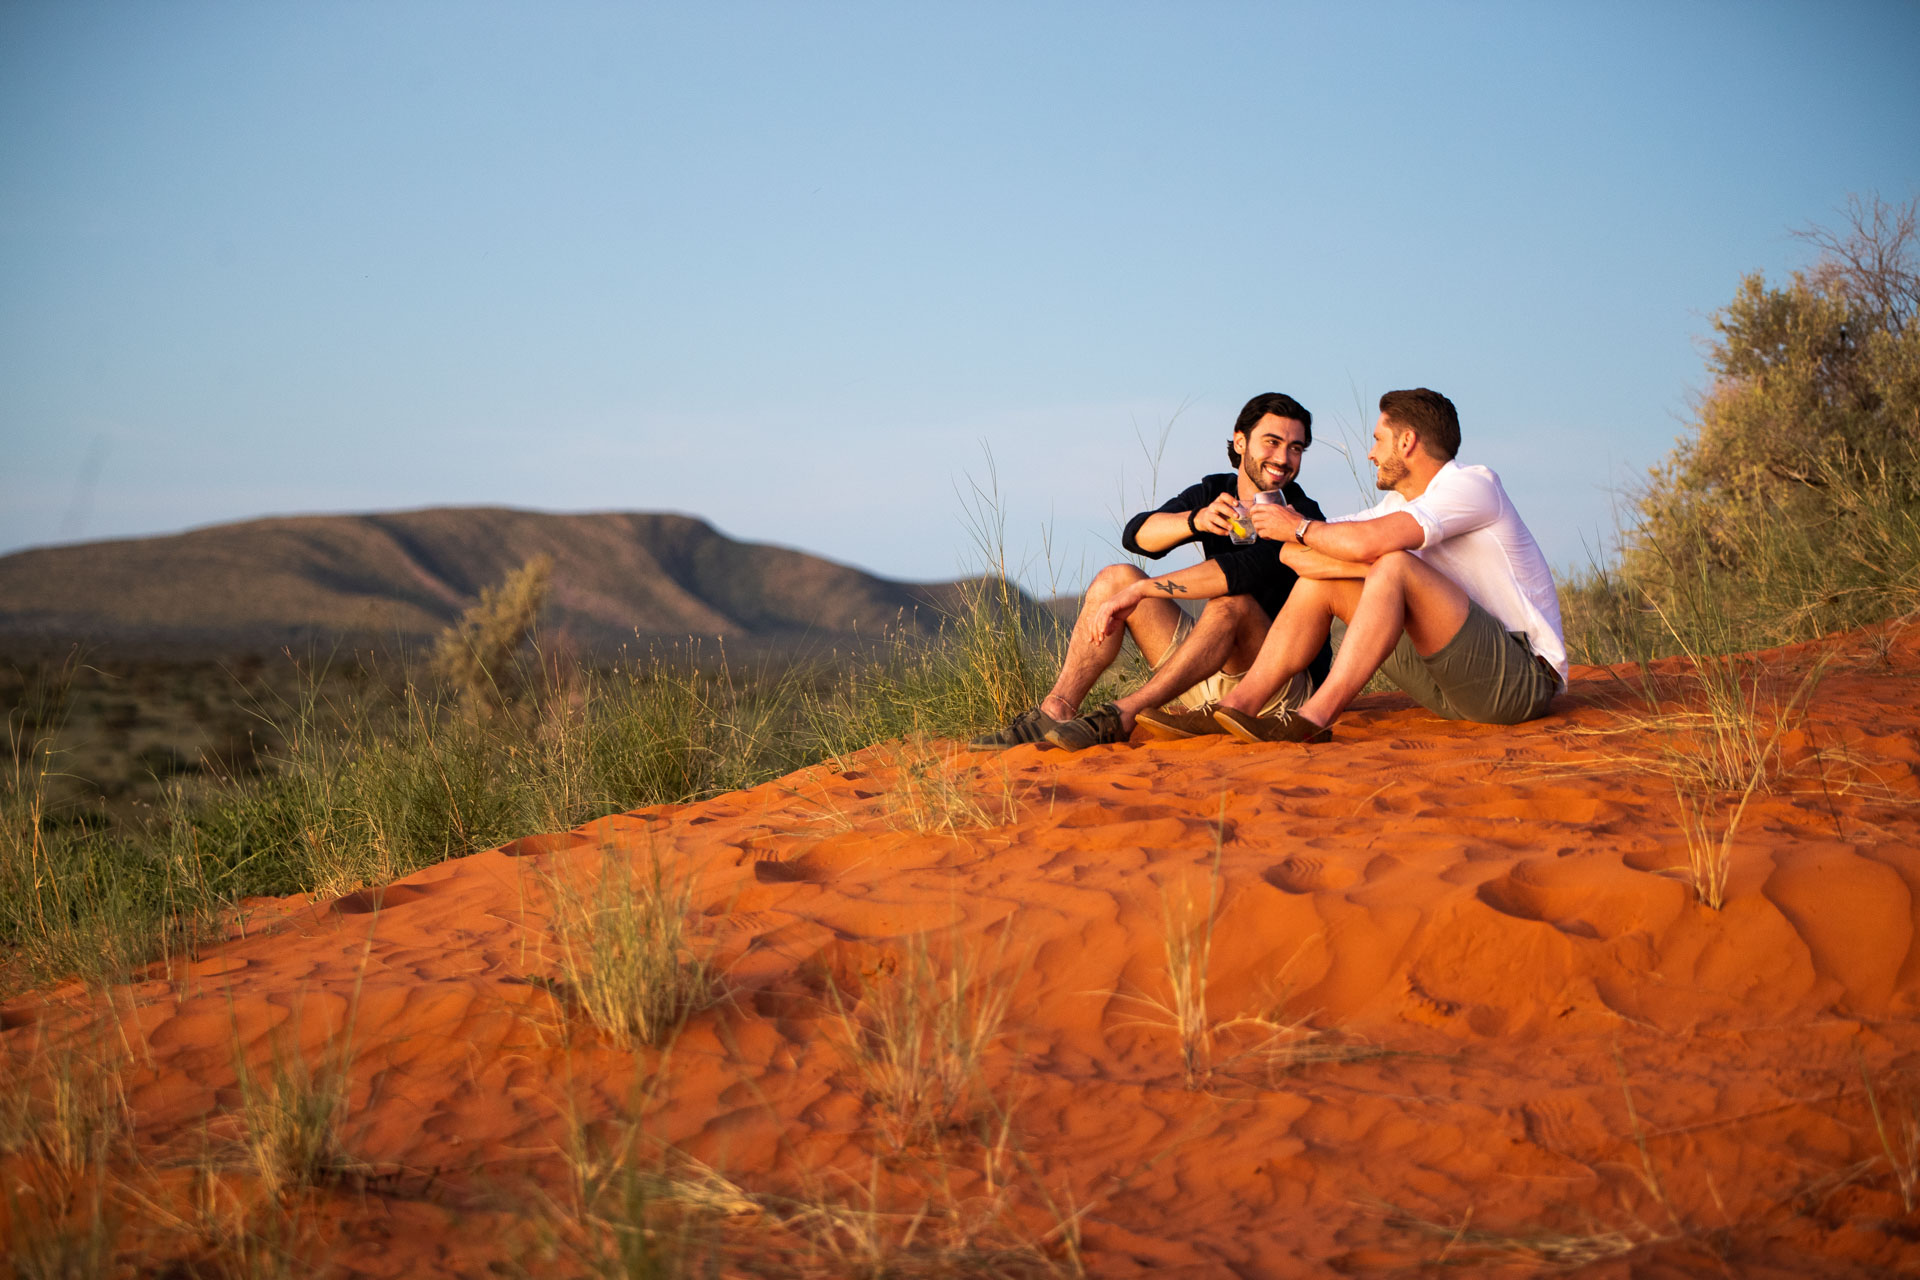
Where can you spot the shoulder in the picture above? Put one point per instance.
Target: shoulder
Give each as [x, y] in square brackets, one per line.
[1200, 493]
[1456, 478]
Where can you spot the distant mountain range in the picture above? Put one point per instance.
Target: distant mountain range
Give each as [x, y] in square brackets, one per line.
[619, 579]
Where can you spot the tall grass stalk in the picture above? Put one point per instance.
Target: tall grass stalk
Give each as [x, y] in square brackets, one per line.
[294, 1112]
[635, 1210]
[59, 1127]
[625, 951]
[1188, 943]
[995, 654]
[1903, 1156]
[920, 1033]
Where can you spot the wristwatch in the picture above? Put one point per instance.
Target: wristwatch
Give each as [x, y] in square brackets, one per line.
[1300, 534]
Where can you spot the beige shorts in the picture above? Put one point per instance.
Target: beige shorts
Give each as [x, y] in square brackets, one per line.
[1218, 685]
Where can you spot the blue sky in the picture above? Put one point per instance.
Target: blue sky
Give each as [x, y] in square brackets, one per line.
[801, 269]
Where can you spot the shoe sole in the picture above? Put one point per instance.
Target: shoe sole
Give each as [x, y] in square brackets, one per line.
[1173, 732]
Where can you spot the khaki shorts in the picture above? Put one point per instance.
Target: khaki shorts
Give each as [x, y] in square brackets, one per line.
[1218, 685]
[1486, 673]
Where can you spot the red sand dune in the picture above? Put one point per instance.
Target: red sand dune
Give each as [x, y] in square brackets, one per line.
[1485, 906]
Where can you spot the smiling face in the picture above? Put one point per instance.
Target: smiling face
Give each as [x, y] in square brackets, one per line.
[1270, 452]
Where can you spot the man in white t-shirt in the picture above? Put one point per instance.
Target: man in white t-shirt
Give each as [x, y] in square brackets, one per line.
[1440, 584]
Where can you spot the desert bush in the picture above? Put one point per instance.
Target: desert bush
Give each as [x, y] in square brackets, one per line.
[1792, 508]
[475, 657]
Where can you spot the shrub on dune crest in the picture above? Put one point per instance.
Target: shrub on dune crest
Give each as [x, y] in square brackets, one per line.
[1793, 506]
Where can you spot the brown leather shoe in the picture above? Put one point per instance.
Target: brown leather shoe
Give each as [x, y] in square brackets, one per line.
[1172, 725]
[1288, 726]
[1098, 728]
[1030, 725]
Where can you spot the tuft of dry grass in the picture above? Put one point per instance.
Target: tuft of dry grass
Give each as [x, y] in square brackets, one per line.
[58, 1128]
[932, 793]
[1187, 940]
[1717, 756]
[919, 1035]
[1900, 1140]
[625, 951]
[1540, 1247]
[635, 1209]
[1188, 943]
[1709, 859]
[1268, 1044]
[293, 1113]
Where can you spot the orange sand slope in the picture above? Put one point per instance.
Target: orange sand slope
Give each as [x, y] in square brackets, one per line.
[1457, 1009]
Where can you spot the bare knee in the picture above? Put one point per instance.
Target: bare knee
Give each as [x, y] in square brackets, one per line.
[1394, 566]
[1111, 579]
[1231, 612]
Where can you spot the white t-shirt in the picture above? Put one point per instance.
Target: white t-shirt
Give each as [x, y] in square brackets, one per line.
[1475, 537]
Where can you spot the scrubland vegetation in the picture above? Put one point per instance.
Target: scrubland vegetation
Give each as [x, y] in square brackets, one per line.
[1792, 507]
[352, 775]
[1790, 510]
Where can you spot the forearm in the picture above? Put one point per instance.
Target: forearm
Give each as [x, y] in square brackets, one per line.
[1163, 531]
[1201, 581]
[1361, 542]
[1309, 563]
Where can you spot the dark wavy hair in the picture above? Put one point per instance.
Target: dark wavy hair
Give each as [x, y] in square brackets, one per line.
[1268, 402]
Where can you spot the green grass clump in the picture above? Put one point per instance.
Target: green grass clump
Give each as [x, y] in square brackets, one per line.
[994, 657]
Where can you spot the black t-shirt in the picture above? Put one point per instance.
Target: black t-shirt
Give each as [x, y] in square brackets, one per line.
[1253, 570]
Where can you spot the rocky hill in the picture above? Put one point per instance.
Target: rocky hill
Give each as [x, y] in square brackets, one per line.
[400, 577]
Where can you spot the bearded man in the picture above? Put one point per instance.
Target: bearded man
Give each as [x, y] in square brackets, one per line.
[1195, 661]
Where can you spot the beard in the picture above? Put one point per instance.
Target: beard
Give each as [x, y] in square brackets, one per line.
[1255, 472]
[1389, 472]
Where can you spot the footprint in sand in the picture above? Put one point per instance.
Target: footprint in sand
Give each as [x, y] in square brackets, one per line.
[534, 846]
[1566, 1123]
[770, 868]
[384, 898]
[1307, 873]
[1581, 897]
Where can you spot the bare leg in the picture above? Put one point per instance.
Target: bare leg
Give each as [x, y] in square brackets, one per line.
[1403, 593]
[1229, 632]
[1294, 639]
[1152, 625]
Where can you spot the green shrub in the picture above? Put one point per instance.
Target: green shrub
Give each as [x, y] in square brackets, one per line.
[1793, 507]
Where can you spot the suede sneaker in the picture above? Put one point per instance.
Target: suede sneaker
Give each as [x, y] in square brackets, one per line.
[1288, 726]
[1030, 725]
[1099, 727]
[1172, 725]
